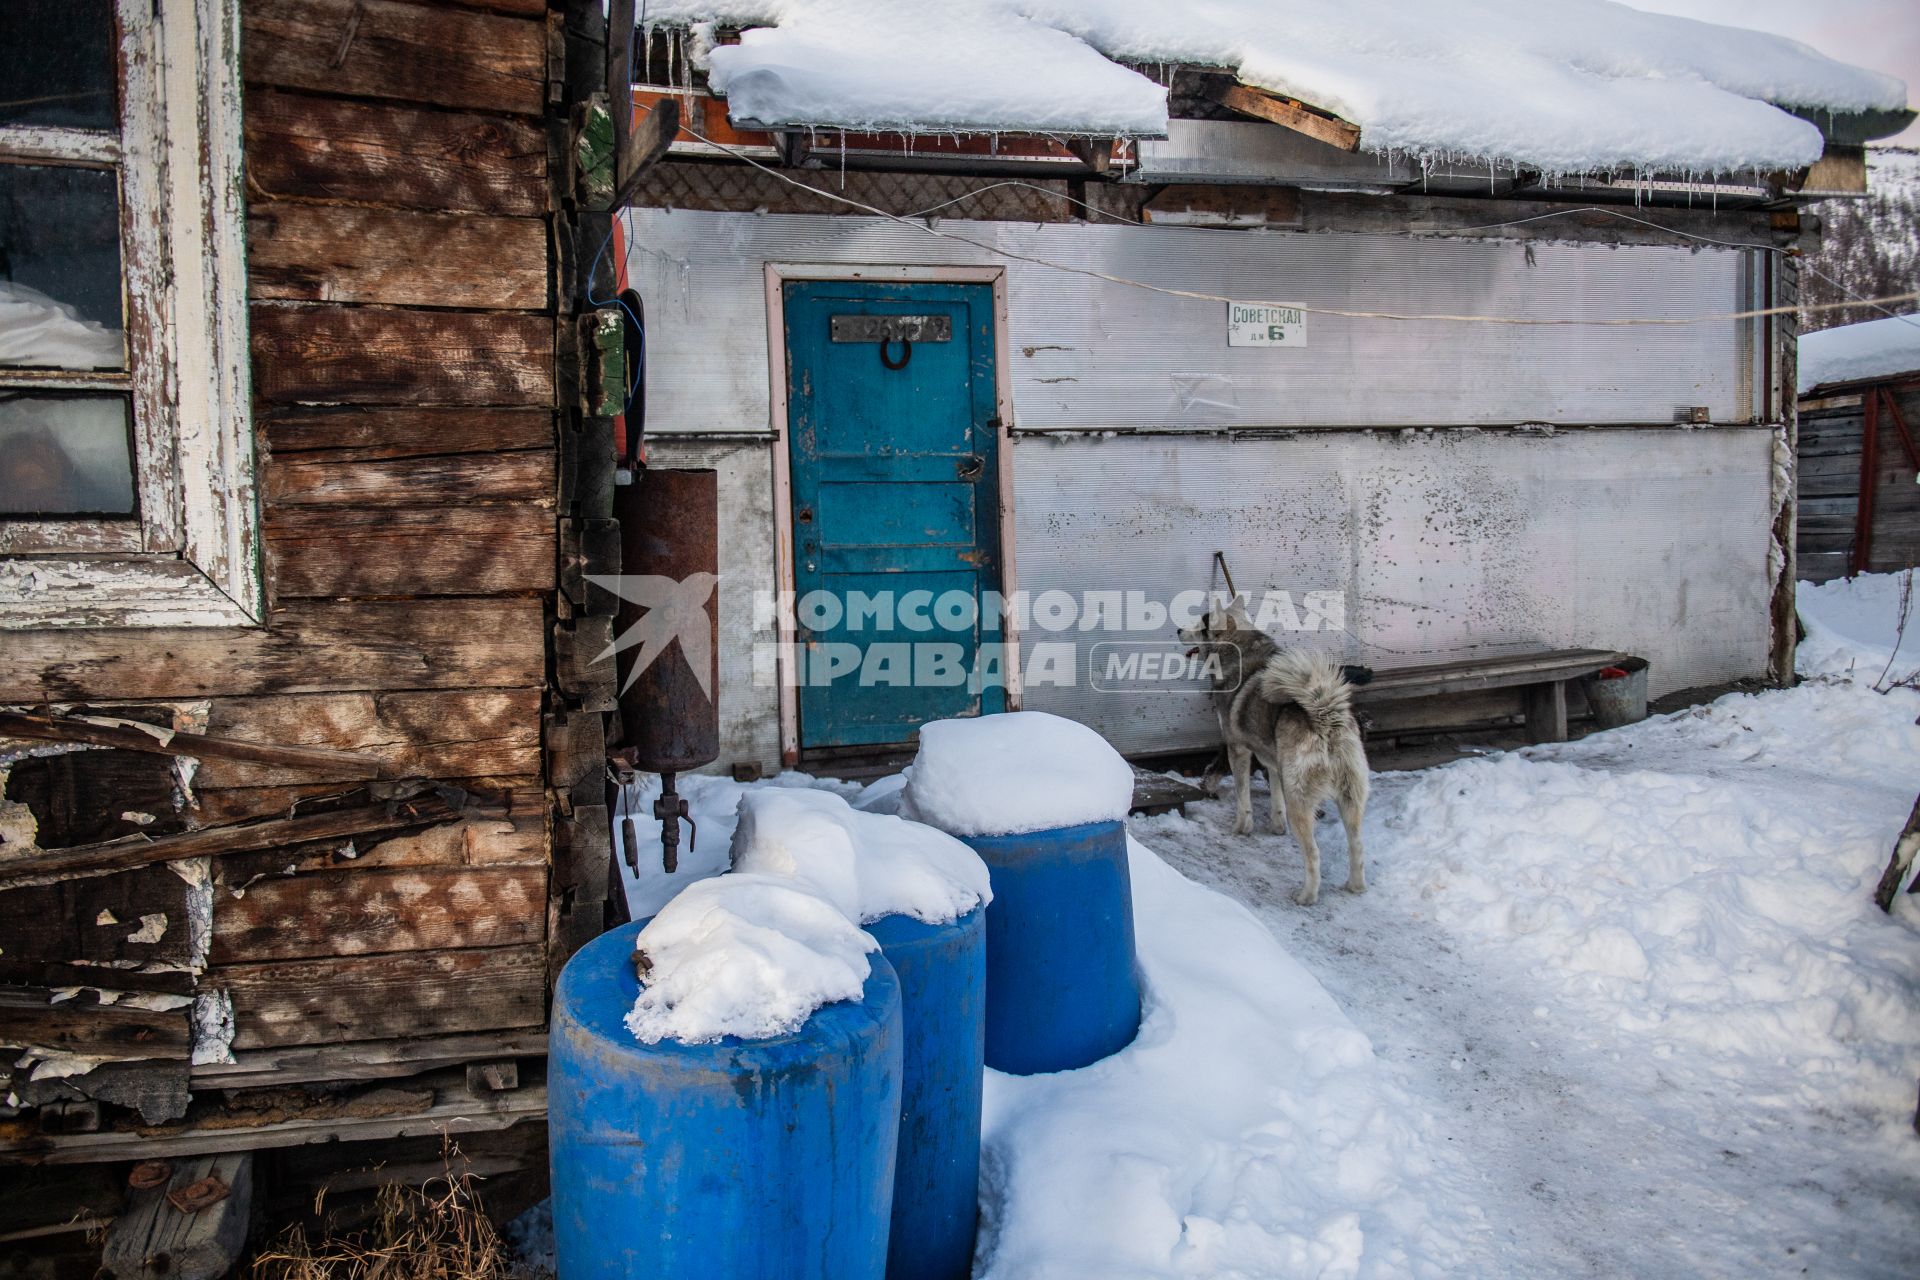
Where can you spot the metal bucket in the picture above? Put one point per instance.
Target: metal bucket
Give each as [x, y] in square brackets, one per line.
[772, 1159]
[1061, 986]
[1621, 700]
[936, 1194]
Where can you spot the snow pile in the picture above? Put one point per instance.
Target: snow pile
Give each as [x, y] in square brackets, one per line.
[1884, 348]
[753, 953]
[1721, 923]
[1248, 1131]
[1588, 85]
[744, 955]
[37, 331]
[868, 864]
[1020, 771]
[1853, 626]
[713, 802]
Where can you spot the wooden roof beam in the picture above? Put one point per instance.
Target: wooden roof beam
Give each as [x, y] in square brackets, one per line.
[1290, 114]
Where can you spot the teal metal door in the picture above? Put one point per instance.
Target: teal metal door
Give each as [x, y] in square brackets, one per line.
[895, 476]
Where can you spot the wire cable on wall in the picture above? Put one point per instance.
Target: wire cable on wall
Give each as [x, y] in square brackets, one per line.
[913, 221]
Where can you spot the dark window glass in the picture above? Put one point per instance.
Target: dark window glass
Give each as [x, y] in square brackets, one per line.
[60, 268]
[57, 64]
[65, 455]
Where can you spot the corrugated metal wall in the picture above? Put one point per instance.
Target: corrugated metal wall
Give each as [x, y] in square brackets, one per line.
[1089, 354]
[1441, 543]
[1650, 539]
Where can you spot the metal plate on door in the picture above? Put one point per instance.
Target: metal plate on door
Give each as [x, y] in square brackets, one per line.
[891, 328]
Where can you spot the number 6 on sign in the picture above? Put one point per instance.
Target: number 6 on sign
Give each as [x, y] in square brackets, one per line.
[1254, 324]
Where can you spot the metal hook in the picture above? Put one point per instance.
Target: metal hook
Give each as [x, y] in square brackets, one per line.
[906, 353]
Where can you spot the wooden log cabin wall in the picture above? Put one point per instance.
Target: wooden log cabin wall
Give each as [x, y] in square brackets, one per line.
[1854, 440]
[360, 862]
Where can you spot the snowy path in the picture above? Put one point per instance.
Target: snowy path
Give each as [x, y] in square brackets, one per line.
[1636, 985]
[1621, 1007]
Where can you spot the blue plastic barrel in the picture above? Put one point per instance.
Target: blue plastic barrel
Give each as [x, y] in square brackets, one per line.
[936, 1198]
[1062, 990]
[758, 1159]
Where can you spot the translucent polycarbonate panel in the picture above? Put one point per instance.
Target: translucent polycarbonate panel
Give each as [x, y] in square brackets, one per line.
[57, 64]
[64, 455]
[60, 289]
[1093, 353]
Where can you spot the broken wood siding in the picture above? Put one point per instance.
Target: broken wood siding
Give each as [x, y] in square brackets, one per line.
[402, 291]
[1829, 471]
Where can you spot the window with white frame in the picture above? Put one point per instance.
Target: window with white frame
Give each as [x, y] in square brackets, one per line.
[126, 457]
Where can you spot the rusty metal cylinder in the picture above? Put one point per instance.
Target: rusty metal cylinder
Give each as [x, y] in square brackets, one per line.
[669, 619]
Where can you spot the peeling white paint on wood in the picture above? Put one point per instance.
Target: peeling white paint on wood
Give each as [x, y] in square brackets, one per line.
[153, 927]
[184, 258]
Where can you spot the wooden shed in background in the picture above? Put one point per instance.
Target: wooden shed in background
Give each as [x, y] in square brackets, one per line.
[1859, 449]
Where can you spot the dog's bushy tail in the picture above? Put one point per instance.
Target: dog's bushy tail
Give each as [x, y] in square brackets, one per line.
[1314, 683]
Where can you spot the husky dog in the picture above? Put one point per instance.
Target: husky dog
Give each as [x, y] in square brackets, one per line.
[1292, 711]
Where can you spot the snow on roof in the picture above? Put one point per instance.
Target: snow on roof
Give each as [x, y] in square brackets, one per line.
[1873, 349]
[1560, 85]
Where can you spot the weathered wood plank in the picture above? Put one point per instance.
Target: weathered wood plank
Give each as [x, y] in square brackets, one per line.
[365, 1060]
[1492, 672]
[65, 793]
[463, 479]
[400, 552]
[450, 734]
[200, 746]
[306, 647]
[525, 8]
[154, 1239]
[1293, 115]
[335, 824]
[1546, 711]
[430, 993]
[383, 49]
[79, 1026]
[62, 973]
[353, 1118]
[517, 796]
[138, 915]
[319, 148]
[355, 434]
[393, 355]
[339, 253]
[486, 841]
[364, 910]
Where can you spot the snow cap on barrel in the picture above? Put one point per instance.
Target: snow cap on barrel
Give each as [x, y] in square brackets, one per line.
[869, 864]
[1017, 772]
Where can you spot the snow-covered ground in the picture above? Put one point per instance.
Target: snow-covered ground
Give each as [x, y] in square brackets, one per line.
[1616, 1007]
[1633, 987]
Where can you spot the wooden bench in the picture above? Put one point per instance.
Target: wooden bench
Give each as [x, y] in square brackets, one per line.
[1540, 676]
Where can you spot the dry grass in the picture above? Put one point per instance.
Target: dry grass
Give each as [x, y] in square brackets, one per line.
[432, 1232]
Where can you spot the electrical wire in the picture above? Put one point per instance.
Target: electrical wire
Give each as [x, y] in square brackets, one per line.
[910, 219]
[1197, 295]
